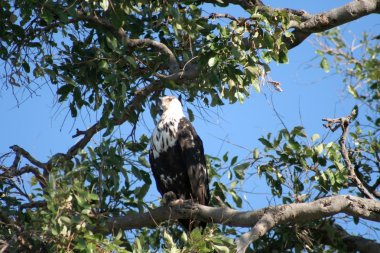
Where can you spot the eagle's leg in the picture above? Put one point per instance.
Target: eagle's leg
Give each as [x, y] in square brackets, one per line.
[170, 199]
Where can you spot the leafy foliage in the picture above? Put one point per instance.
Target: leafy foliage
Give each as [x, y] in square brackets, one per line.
[116, 58]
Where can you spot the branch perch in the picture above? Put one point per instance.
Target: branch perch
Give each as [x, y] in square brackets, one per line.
[262, 220]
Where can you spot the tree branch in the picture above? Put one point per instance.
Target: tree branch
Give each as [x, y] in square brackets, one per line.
[305, 24]
[302, 212]
[332, 18]
[331, 234]
[135, 103]
[20, 151]
[261, 220]
[129, 42]
[344, 122]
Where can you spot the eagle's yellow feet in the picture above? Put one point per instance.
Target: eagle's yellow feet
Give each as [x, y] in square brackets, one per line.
[170, 199]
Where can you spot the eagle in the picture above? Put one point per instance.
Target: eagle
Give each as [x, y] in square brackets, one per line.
[177, 158]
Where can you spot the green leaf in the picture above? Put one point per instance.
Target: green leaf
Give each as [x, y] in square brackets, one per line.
[256, 153]
[26, 67]
[93, 196]
[65, 219]
[283, 57]
[315, 137]
[168, 240]
[212, 61]
[221, 249]
[104, 4]
[325, 65]
[354, 112]
[233, 160]
[140, 192]
[298, 130]
[191, 114]
[319, 149]
[103, 65]
[144, 162]
[353, 91]
[266, 143]
[225, 157]
[111, 42]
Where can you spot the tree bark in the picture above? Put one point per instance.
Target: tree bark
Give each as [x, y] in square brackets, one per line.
[262, 220]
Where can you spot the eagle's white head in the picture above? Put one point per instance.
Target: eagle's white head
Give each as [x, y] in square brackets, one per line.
[165, 134]
[171, 106]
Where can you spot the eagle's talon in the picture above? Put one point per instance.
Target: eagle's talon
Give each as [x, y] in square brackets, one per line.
[168, 198]
[176, 202]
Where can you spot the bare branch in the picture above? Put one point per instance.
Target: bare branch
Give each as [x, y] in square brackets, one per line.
[20, 151]
[271, 216]
[301, 212]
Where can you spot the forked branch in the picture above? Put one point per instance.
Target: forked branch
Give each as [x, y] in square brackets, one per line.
[343, 123]
[262, 220]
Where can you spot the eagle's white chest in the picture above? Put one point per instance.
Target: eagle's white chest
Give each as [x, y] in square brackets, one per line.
[165, 134]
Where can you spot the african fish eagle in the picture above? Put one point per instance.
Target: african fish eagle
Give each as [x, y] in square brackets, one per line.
[177, 158]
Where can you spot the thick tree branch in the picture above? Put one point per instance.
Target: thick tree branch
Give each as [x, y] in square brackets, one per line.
[305, 24]
[302, 212]
[332, 18]
[261, 220]
[331, 234]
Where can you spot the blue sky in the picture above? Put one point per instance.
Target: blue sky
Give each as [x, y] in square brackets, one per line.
[39, 125]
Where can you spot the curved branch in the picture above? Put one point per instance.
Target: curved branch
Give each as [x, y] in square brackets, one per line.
[129, 42]
[335, 17]
[20, 151]
[135, 103]
[331, 232]
[298, 213]
[261, 220]
[344, 122]
[314, 23]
